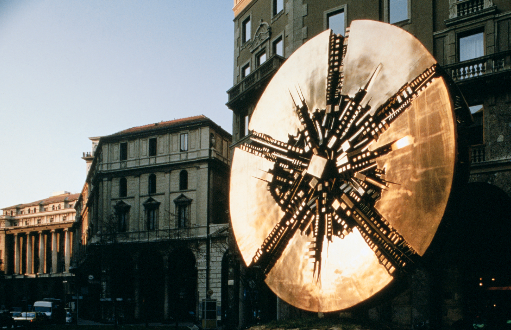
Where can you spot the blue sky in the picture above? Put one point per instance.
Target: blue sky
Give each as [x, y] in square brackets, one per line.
[73, 69]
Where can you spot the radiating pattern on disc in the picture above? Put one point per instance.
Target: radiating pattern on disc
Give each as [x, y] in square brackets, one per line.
[330, 199]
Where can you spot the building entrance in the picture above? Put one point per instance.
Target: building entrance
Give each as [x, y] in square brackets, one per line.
[183, 285]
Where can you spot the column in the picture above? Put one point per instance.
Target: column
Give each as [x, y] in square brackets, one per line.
[33, 243]
[54, 261]
[166, 315]
[46, 247]
[67, 250]
[29, 254]
[16, 254]
[42, 253]
[136, 287]
[20, 253]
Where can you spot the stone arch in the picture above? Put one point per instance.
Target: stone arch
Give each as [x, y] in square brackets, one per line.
[478, 252]
[152, 282]
[182, 289]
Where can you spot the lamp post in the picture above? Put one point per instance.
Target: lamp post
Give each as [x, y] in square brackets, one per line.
[73, 270]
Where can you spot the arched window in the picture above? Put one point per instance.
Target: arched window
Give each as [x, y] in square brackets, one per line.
[123, 187]
[152, 184]
[183, 180]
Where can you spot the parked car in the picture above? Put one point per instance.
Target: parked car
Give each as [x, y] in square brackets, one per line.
[30, 318]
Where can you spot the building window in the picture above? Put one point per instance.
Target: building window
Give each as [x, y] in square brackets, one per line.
[475, 131]
[122, 219]
[151, 219]
[245, 70]
[151, 212]
[278, 6]
[278, 47]
[397, 10]
[51, 219]
[183, 211]
[471, 46]
[64, 218]
[52, 208]
[122, 211]
[152, 147]
[123, 187]
[184, 142]
[123, 155]
[245, 30]
[261, 58]
[182, 216]
[38, 221]
[183, 180]
[335, 21]
[152, 184]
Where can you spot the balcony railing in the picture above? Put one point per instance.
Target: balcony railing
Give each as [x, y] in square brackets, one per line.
[480, 67]
[468, 7]
[155, 235]
[478, 153]
[262, 72]
[463, 8]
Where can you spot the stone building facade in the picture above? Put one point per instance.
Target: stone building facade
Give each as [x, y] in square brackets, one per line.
[466, 272]
[154, 222]
[36, 249]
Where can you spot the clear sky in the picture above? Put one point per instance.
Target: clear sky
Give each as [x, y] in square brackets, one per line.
[74, 69]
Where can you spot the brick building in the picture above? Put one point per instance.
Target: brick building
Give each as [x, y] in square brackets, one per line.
[466, 272]
[36, 249]
[154, 221]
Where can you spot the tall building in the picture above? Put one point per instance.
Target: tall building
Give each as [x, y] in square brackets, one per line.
[37, 244]
[155, 223]
[466, 273]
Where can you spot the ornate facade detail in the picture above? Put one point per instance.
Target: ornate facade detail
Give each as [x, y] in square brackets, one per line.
[262, 34]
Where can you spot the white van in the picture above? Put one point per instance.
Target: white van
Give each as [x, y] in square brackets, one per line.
[52, 308]
[45, 307]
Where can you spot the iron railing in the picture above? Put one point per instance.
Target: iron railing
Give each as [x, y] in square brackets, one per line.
[194, 232]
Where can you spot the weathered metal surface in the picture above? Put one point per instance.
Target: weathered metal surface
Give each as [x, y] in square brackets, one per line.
[349, 167]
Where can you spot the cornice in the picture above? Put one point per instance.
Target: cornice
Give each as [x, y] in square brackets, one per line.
[239, 5]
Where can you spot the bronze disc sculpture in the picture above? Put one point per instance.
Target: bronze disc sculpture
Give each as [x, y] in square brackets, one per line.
[348, 168]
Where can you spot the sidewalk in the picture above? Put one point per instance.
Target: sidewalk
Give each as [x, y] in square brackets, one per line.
[151, 324]
[87, 322]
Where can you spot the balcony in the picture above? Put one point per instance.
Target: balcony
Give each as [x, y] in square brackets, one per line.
[478, 153]
[467, 9]
[254, 82]
[481, 67]
[168, 234]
